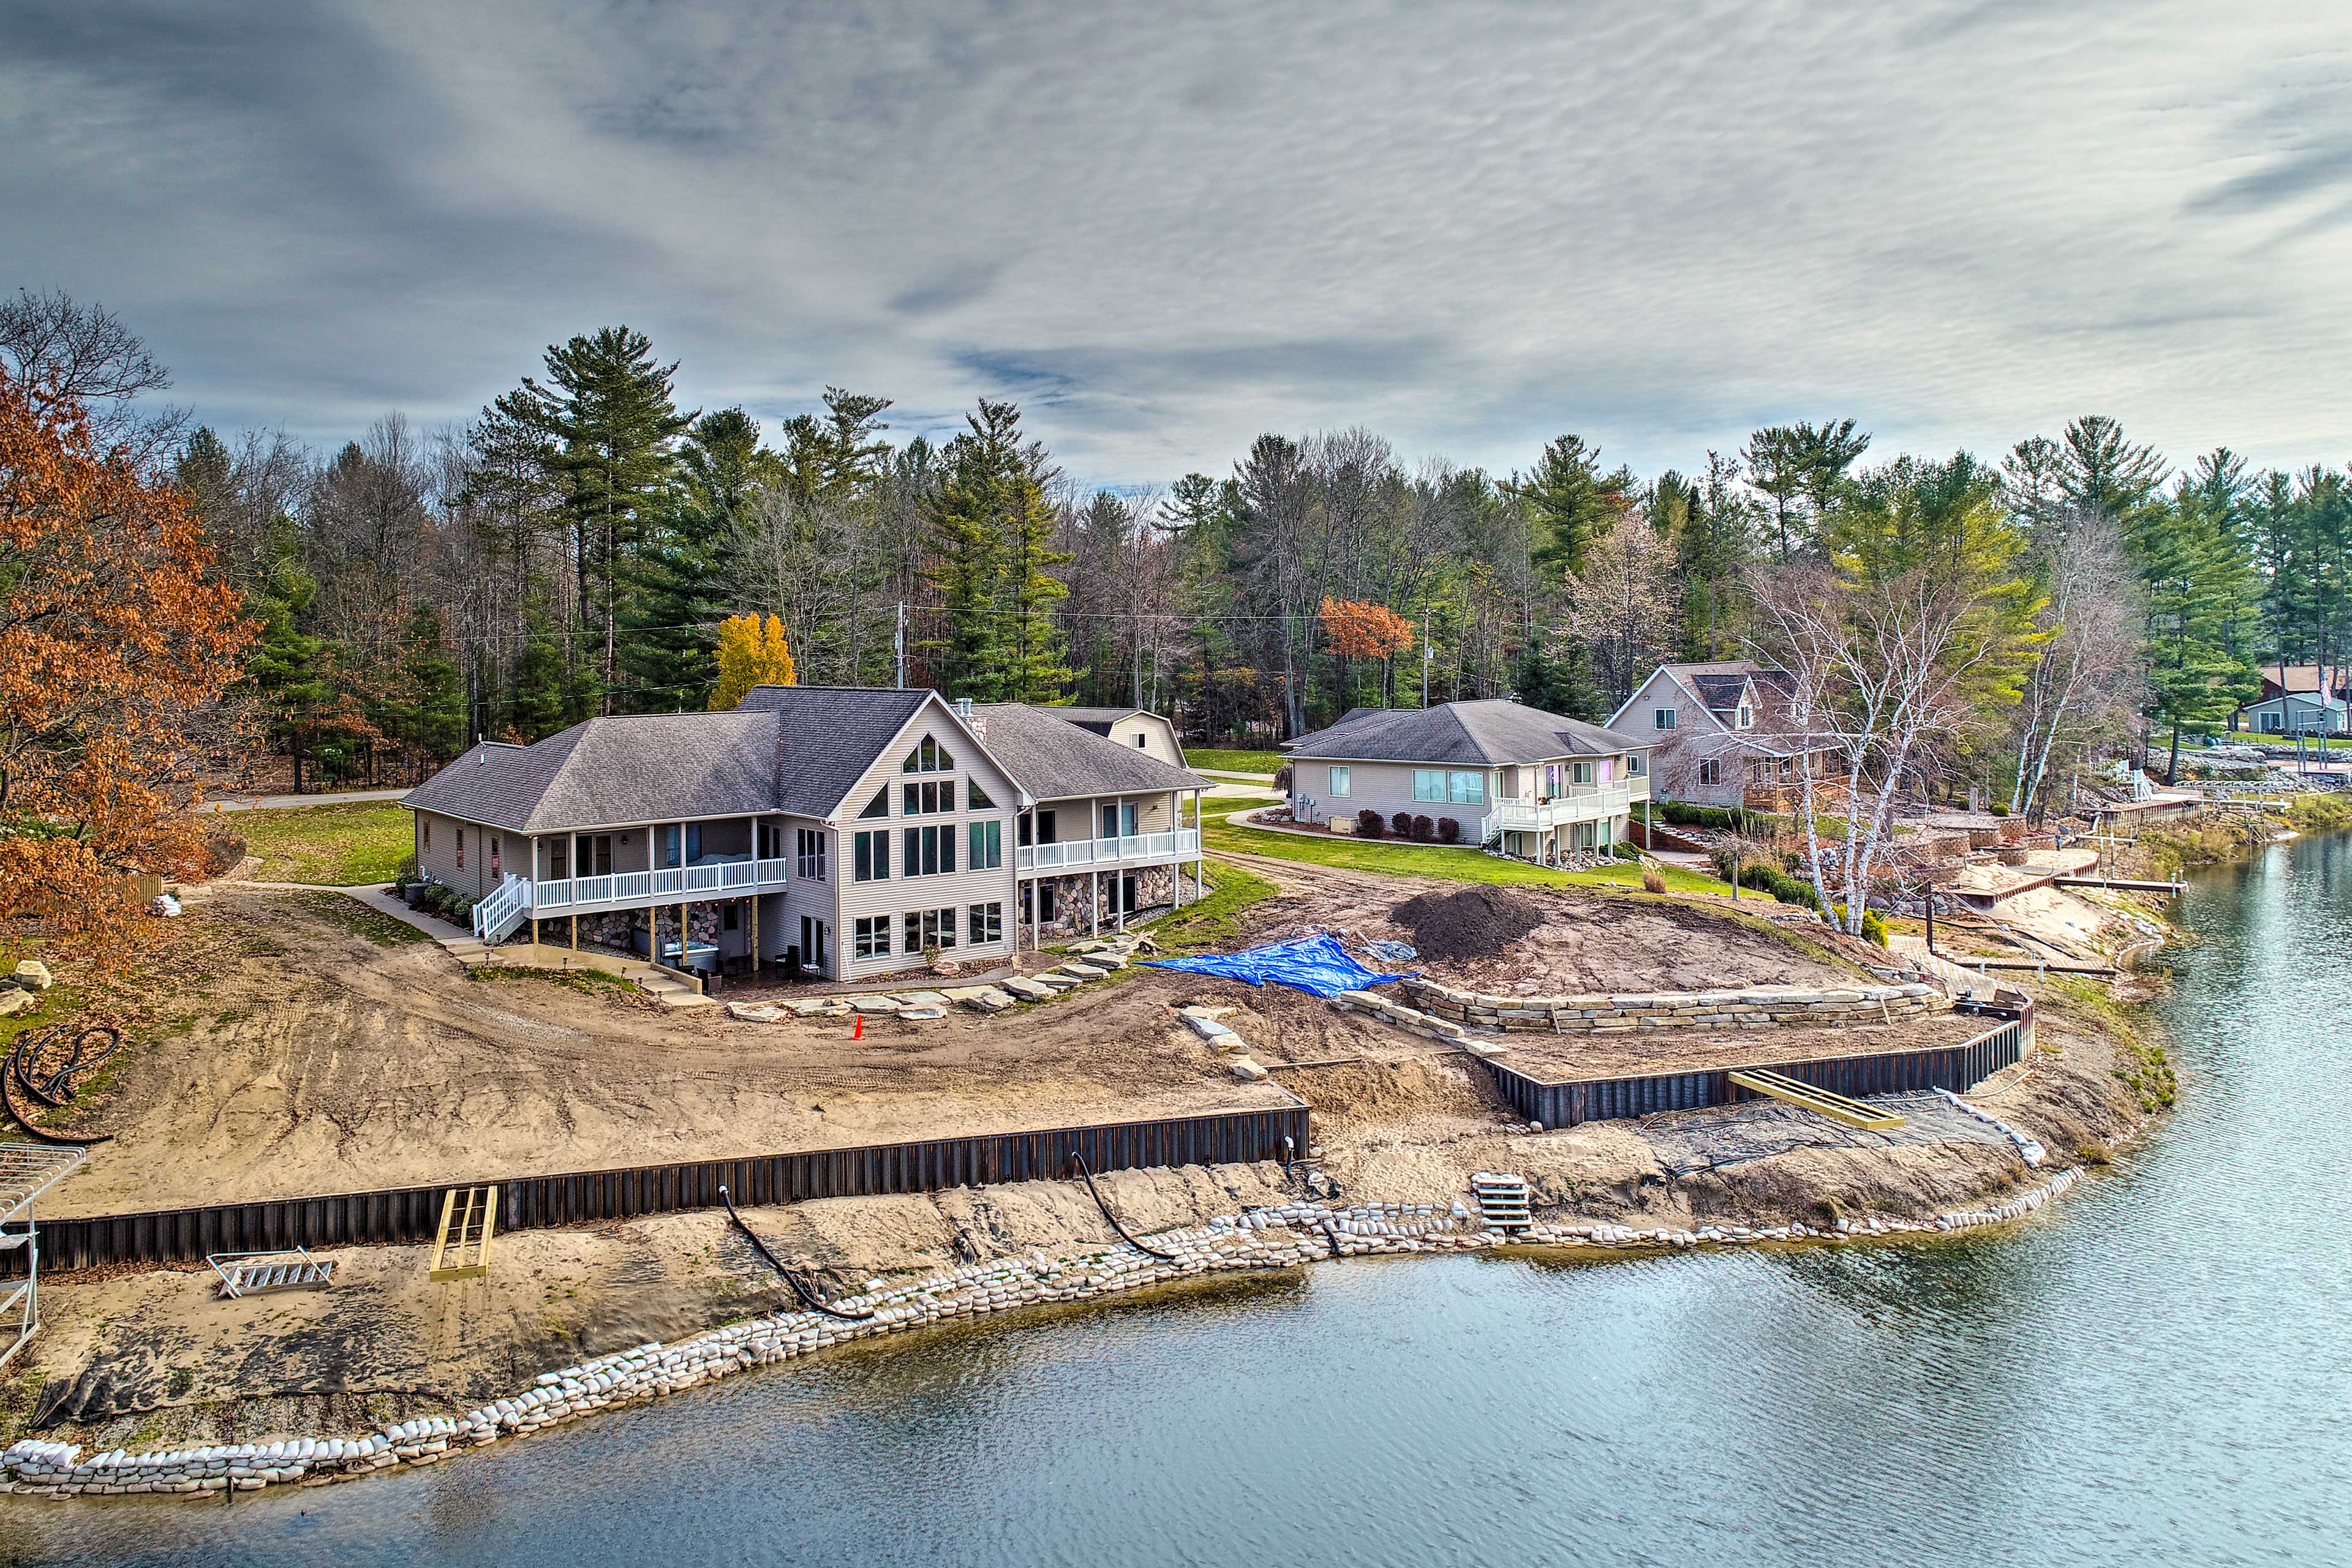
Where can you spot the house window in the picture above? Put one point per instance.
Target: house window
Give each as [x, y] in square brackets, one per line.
[928, 929]
[730, 917]
[1119, 819]
[879, 805]
[1138, 742]
[1661, 718]
[870, 856]
[987, 845]
[812, 854]
[1745, 719]
[496, 844]
[1635, 764]
[1710, 770]
[931, 757]
[1338, 781]
[929, 852]
[1429, 783]
[771, 841]
[461, 849]
[927, 798]
[871, 936]
[976, 798]
[985, 923]
[1465, 788]
[814, 944]
[1040, 907]
[1045, 827]
[1580, 772]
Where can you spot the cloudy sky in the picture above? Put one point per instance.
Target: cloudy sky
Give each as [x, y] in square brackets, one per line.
[1163, 228]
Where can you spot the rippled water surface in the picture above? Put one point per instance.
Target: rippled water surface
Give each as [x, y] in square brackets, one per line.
[2158, 1370]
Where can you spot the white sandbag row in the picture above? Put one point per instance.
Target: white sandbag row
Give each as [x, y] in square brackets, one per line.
[1281, 1237]
[2029, 1148]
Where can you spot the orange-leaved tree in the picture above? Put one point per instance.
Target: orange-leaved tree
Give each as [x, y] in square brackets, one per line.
[114, 647]
[1355, 630]
[749, 655]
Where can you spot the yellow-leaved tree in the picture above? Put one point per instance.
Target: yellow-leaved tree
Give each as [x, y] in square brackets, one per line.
[750, 654]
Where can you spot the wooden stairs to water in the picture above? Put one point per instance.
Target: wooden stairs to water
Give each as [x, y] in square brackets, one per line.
[1502, 1200]
[1819, 1101]
[462, 1248]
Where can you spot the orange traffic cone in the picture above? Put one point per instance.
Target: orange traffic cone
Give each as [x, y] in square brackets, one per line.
[857, 1031]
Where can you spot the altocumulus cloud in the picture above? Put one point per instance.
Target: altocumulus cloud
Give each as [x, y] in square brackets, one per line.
[1165, 229]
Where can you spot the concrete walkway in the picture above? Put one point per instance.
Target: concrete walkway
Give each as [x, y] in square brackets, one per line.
[296, 801]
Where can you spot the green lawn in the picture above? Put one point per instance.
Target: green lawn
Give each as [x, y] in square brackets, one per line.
[1233, 761]
[1215, 922]
[1427, 860]
[333, 845]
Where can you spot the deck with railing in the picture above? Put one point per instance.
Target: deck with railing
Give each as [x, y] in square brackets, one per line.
[570, 895]
[1597, 803]
[1133, 849]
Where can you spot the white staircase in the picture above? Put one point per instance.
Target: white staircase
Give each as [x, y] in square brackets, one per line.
[504, 909]
[1502, 1200]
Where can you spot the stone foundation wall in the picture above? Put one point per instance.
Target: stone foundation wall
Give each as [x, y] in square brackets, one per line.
[1076, 906]
[1750, 1007]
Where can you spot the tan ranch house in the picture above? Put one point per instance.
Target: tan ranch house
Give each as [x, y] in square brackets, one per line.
[1536, 785]
[857, 831]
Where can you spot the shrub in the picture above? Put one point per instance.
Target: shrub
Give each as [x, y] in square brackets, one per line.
[1401, 824]
[1424, 829]
[1281, 779]
[1369, 824]
[1448, 830]
[1652, 879]
[1624, 851]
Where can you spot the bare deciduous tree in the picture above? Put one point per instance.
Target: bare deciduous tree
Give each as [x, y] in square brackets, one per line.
[2087, 682]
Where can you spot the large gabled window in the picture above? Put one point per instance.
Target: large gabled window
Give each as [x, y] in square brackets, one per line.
[974, 797]
[931, 757]
[879, 805]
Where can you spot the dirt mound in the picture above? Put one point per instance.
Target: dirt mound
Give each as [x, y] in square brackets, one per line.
[1476, 922]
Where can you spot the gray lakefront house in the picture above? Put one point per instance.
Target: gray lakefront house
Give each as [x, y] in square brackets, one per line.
[1538, 786]
[852, 831]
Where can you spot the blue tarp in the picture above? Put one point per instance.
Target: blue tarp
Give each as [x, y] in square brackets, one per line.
[1317, 965]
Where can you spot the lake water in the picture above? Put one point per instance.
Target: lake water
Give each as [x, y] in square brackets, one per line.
[2155, 1371]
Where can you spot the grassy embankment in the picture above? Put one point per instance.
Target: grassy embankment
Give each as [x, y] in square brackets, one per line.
[329, 845]
[2168, 852]
[1233, 761]
[1429, 860]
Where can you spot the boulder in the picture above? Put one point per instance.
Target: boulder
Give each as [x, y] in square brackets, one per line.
[1027, 989]
[872, 1004]
[1247, 1070]
[1208, 1028]
[922, 1015]
[13, 1001]
[33, 976]
[920, 999]
[753, 1012]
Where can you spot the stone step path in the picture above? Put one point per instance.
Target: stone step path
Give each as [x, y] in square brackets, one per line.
[1100, 960]
[1502, 1200]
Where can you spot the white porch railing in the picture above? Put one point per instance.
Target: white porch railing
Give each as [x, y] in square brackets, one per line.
[1133, 849]
[1593, 805]
[503, 909]
[566, 895]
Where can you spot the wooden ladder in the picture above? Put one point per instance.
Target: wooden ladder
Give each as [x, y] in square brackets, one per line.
[1819, 1101]
[462, 1249]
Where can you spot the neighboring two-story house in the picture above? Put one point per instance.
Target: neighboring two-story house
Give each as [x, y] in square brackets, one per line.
[860, 831]
[1718, 735]
[1538, 786]
[1140, 729]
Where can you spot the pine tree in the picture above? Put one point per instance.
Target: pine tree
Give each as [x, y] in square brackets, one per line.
[686, 574]
[608, 410]
[1570, 502]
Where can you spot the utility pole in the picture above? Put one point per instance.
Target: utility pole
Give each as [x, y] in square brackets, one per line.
[899, 643]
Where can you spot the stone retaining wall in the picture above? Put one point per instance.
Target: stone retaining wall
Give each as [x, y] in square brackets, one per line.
[1280, 1237]
[1751, 1007]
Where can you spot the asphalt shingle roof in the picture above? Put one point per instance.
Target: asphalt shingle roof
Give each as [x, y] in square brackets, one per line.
[641, 767]
[1055, 759]
[1490, 731]
[827, 736]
